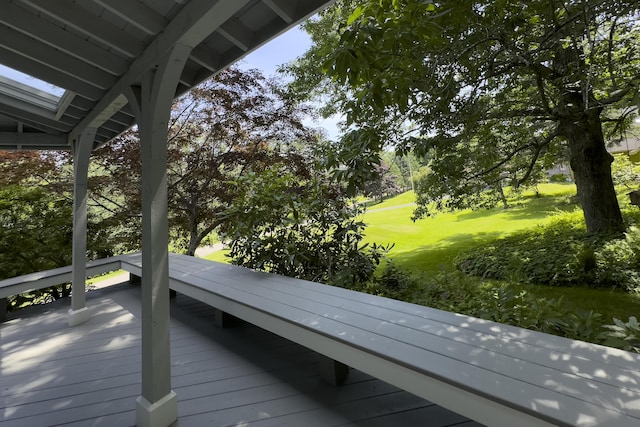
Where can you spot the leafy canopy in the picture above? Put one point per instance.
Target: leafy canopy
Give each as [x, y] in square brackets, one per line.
[300, 227]
[493, 90]
[232, 124]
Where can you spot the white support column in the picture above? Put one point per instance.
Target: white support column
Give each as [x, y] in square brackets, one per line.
[157, 406]
[81, 152]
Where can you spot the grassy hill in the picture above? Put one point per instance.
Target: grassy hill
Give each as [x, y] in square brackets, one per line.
[430, 244]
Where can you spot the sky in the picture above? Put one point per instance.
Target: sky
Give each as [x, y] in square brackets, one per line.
[267, 58]
[281, 50]
[278, 51]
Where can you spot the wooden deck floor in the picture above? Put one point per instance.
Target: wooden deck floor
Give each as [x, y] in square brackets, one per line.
[89, 375]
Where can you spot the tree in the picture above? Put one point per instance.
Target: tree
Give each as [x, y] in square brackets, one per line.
[234, 123]
[406, 168]
[492, 89]
[301, 227]
[36, 220]
[35, 230]
[383, 183]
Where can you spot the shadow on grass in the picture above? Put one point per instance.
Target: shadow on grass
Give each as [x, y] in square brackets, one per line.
[522, 212]
[433, 258]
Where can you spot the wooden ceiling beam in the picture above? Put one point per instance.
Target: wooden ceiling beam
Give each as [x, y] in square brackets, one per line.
[285, 9]
[89, 24]
[237, 34]
[52, 35]
[51, 75]
[193, 24]
[37, 51]
[136, 14]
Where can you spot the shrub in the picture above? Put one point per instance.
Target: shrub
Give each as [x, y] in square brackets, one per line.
[298, 227]
[452, 291]
[394, 279]
[558, 177]
[559, 254]
[624, 335]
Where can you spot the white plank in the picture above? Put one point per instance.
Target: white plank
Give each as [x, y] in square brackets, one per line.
[351, 299]
[264, 297]
[136, 14]
[62, 40]
[265, 374]
[383, 318]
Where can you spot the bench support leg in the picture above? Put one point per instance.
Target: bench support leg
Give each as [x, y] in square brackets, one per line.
[224, 320]
[78, 317]
[332, 371]
[3, 309]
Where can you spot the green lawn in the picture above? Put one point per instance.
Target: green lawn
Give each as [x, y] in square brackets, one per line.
[219, 256]
[430, 244]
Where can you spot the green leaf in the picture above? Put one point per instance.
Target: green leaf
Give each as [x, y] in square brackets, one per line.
[355, 15]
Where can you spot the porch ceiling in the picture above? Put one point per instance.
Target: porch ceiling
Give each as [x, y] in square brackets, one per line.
[93, 49]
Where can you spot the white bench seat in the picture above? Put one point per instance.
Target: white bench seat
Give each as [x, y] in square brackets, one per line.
[44, 279]
[496, 374]
[53, 277]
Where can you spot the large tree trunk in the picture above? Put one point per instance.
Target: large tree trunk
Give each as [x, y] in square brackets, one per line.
[591, 166]
[194, 242]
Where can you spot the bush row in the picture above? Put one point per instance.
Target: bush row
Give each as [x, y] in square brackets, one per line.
[461, 293]
[560, 254]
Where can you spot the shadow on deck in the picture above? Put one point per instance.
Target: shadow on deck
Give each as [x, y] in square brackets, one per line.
[244, 376]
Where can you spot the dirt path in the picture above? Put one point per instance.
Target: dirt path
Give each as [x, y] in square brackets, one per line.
[119, 278]
[206, 250]
[390, 208]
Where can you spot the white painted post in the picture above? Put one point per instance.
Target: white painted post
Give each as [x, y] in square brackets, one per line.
[82, 146]
[157, 406]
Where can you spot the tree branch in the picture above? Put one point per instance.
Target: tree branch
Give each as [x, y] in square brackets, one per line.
[532, 164]
[511, 155]
[612, 70]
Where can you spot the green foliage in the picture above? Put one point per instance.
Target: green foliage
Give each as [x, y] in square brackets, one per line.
[558, 177]
[494, 91]
[559, 254]
[624, 335]
[625, 173]
[451, 291]
[296, 227]
[547, 315]
[460, 293]
[582, 325]
[393, 282]
[36, 230]
[36, 214]
[522, 309]
[35, 235]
